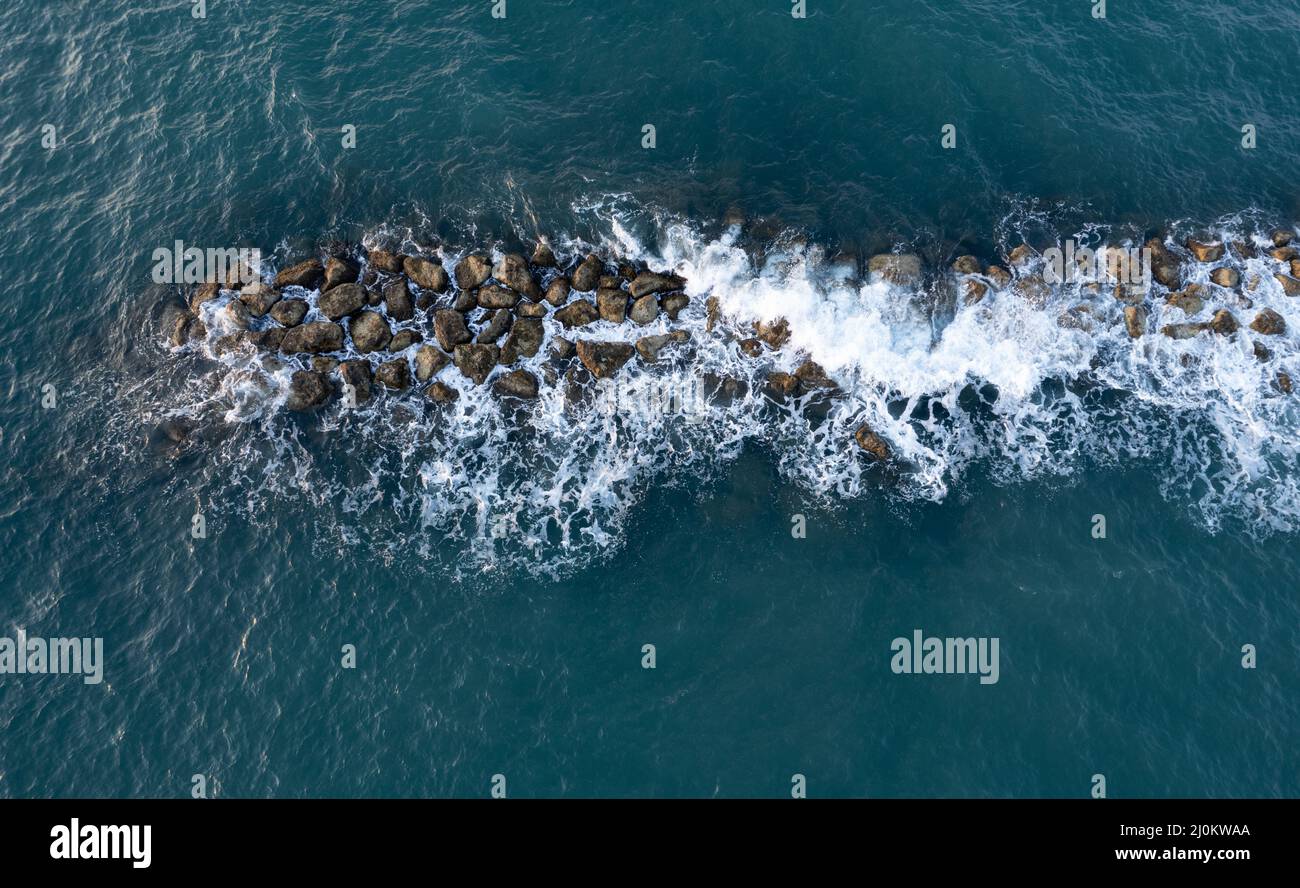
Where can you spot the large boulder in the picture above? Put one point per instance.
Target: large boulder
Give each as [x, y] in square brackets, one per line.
[524, 340]
[1205, 251]
[313, 338]
[1188, 300]
[673, 303]
[441, 393]
[871, 443]
[308, 390]
[497, 324]
[476, 361]
[342, 301]
[236, 314]
[578, 313]
[645, 310]
[1135, 321]
[604, 359]
[1184, 331]
[587, 275]
[650, 346]
[1269, 323]
[395, 374]
[472, 271]
[1165, 266]
[204, 293]
[397, 300]
[543, 256]
[1223, 323]
[612, 304]
[449, 329]
[497, 297]
[339, 271]
[512, 270]
[309, 275]
[259, 298]
[370, 332]
[1290, 285]
[648, 282]
[1228, 278]
[383, 260]
[966, 265]
[774, 333]
[289, 312]
[428, 361]
[427, 274]
[557, 291]
[516, 384]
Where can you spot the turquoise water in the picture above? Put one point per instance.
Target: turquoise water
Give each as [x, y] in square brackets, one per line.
[479, 656]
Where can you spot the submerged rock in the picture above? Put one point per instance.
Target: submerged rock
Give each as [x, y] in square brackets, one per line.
[975, 291]
[603, 359]
[308, 389]
[517, 384]
[1281, 237]
[902, 269]
[999, 276]
[356, 374]
[395, 374]
[1184, 331]
[476, 361]
[441, 393]
[313, 338]
[236, 312]
[1135, 320]
[1223, 323]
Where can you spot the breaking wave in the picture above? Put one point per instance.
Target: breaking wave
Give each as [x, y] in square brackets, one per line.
[1008, 388]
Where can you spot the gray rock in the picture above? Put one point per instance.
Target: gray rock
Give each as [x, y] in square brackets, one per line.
[472, 271]
[557, 291]
[382, 260]
[449, 329]
[404, 339]
[309, 274]
[587, 274]
[497, 297]
[543, 257]
[612, 305]
[313, 338]
[647, 283]
[650, 346]
[512, 270]
[524, 340]
[397, 300]
[577, 314]
[673, 303]
[428, 361]
[645, 310]
[497, 324]
[427, 274]
[259, 298]
[517, 384]
[604, 359]
[289, 312]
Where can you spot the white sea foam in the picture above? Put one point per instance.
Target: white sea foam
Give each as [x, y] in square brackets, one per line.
[1000, 385]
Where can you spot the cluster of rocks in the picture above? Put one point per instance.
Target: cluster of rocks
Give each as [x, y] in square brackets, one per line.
[407, 318]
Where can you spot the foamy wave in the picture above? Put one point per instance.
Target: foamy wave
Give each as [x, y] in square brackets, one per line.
[1019, 390]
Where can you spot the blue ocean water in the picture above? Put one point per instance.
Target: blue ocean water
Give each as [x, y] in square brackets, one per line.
[522, 656]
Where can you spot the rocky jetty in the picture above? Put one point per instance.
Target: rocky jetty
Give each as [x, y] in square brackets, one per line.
[360, 324]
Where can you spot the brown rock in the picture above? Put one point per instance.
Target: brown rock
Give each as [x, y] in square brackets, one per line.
[523, 342]
[966, 265]
[259, 298]
[313, 338]
[1184, 331]
[1021, 256]
[497, 324]
[204, 293]
[404, 339]
[673, 303]
[647, 283]
[395, 374]
[774, 333]
[531, 309]
[999, 276]
[1034, 290]
[612, 305]
[428, 361]
[812, 376]
[309, 275]
[872, 443]
[426, 274]
[339, 271]
[1290, 285]
[449, 329]
[975, 292]
[289, 312]
[1188, 300]
[370, 332]
[578, 313]
[237, 313]
[1223, 323]
[587, 275]
[397, 300]
[1205, 251]
[1135, 320]
[497, 297]
[516, 384]
[441, 393]
[557, 291]
[1165, 266]
[308, 390]
[1269, 323]
[476, 361]
[751, 347]
[604, 359]
[382, 260]
[512, 270]
[472, 271]
[650, 346]
[1227, 278]
[1281, 237]
[543, 257]
[903, 269]
[342, 301]
[356, 374]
